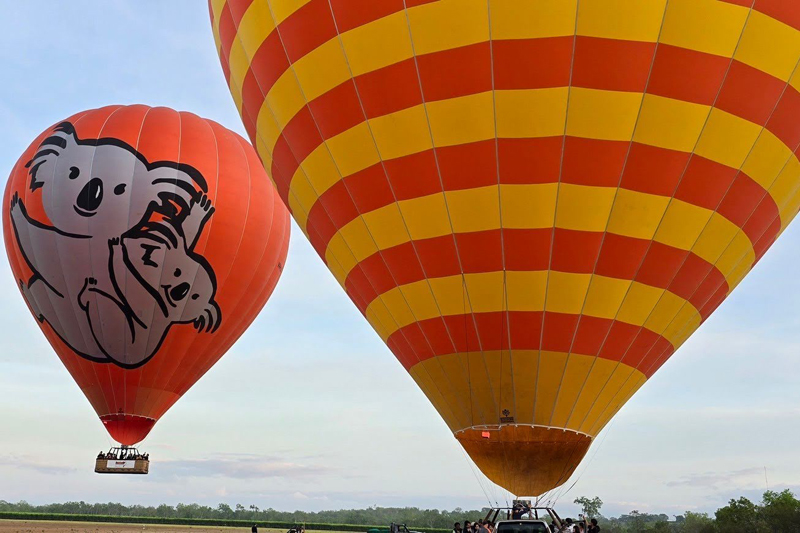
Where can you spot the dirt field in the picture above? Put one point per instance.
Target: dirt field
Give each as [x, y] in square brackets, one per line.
[36, 526]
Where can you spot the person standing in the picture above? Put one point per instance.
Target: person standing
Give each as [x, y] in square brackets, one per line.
[457, 527]
[593, 527]
[254, 529]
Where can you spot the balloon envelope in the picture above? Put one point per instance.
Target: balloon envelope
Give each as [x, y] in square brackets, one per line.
[145, 241]
[533, 203]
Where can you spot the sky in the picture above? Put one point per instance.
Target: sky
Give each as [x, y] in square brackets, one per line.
[309, 410]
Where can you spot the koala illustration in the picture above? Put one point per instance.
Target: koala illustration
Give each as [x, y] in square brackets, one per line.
[158, 281]
[93, 191]
[87, 183]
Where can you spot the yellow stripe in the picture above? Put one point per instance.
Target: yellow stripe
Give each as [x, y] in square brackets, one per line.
[396, 135]
[216, 12]
[531, 113]
[768, 158]
[770, 46]
[448, 24]
[704, 25]
[789, 211]
[321, 67]
[285, 98]
[728, 139]
[238, 68]
[508, 381]
[376, 45]
[580, 207]
[785, 188]
[633, 20]
[672, 124]
[532, 19]
[607, 115]
[636, 303]
[794, 81]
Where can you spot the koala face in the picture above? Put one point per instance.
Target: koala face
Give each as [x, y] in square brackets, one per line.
[181, 282]
[102, 186]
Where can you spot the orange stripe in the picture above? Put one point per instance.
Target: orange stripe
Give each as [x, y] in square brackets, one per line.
[612, 340]
[238, 9]
[227, 34]
[697, 181]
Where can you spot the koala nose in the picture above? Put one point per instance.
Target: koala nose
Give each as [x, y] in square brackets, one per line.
[91, 195]
[179, 292]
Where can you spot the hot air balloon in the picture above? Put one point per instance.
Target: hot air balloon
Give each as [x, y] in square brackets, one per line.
[144, 241]
[534, 203]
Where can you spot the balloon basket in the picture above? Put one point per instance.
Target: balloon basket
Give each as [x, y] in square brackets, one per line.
[523, 510]
[122, 460]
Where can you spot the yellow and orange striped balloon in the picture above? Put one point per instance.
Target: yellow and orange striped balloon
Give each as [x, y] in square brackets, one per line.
[533, 202]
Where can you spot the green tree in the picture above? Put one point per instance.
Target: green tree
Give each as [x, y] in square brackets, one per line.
[590, 506]
[780, 511]
[740, 515]
[636, 522]
[697, 523]
[224, 511]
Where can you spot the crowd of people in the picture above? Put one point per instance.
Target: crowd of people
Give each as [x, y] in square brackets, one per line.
[481, 526]
[583, 526]
[125, 454]
[568, 526]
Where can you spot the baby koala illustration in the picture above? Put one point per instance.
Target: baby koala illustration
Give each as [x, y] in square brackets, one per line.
[92, 190]
[158, 281]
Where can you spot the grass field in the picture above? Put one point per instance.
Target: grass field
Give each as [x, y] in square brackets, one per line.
[43, 526]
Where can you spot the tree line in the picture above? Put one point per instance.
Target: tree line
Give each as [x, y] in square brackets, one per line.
[381, 516]
[777, 512]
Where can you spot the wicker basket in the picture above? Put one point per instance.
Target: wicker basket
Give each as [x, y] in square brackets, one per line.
[113, 466]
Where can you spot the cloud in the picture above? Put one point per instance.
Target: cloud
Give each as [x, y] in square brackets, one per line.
[715, 479]
[25, 462]
[241, 466]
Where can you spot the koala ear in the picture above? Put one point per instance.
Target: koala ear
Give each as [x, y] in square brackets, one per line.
[210, 320]
[176, 186]
[42, 164]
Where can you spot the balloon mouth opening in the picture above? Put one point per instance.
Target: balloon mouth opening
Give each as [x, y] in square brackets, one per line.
[526, 460]
[126, 428]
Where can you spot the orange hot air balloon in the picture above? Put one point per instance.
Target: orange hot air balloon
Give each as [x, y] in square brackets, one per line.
[145, 241]
[534, 203]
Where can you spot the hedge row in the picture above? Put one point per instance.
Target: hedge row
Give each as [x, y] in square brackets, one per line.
[63, 517]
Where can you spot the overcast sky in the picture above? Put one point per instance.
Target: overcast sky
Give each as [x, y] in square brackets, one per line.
[310, 410]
